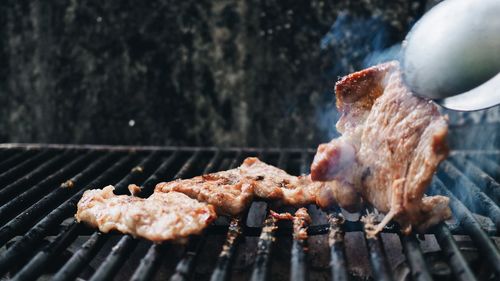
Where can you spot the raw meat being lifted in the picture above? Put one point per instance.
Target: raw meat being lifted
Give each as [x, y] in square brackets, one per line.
[232, 191]
[162, 216]
[392, 143]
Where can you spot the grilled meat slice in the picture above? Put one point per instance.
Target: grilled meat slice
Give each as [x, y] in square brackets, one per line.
[392, 143]
[232, 191]
[162, 216]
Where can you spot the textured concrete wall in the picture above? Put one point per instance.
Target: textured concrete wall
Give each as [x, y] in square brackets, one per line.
[197, 72]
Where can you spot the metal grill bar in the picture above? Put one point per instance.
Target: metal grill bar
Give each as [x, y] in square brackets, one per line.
[262, 260]
[76, 263]
[470, 224]
[474, 199]
[158, 174]
[378, 257]
[266, 239]
[226, 256]
[15, 160]
[7, 153]
[495, 157]
[138, 173]
[115, 259]
[16, 187]
[22, 247]
[298, 270]
[415, 258]
[149, 263]
[35, 266]
[39, 261]
[338, 262]
[28, 216]
[320, 229]
[448, 245]
[185, 265]
[118, 254]
[482, 180]
[486, 164]
[16, 171]
[71, 269]
[336, 223]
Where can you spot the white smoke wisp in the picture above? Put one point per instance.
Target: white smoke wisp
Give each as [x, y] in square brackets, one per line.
[378, 57]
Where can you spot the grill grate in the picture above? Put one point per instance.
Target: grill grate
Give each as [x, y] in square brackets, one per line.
[41, 184]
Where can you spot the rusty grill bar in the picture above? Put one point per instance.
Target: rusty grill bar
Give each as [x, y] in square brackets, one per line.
[41, 184]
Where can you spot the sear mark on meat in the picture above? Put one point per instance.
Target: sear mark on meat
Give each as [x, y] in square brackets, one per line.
[392, 143]
[162, 216]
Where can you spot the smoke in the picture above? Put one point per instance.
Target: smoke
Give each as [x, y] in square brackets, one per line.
[327, 116]
[354, 41]
[474, 130]
[378, 57]
[351, 44]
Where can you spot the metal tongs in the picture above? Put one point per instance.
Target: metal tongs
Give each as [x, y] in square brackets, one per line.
[452, 55]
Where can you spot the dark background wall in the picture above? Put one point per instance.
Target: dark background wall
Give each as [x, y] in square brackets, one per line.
[197, 72]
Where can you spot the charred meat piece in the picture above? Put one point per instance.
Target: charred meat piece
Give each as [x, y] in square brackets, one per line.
[392, 143]
[162, 216]
[232, 191]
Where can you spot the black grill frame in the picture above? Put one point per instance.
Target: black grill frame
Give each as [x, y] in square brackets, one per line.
[40, 168]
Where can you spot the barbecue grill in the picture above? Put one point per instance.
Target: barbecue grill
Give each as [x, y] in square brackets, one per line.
[41, 184]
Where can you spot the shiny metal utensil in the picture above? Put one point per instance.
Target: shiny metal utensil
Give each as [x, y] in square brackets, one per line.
[452, 55]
